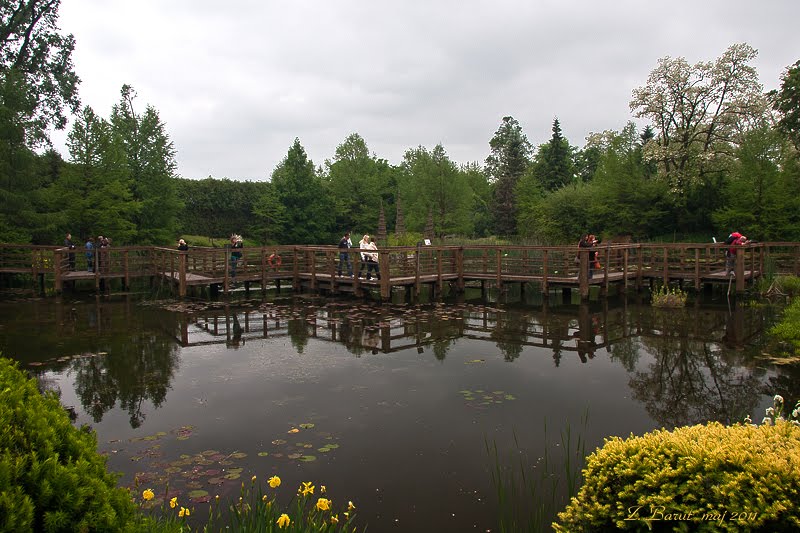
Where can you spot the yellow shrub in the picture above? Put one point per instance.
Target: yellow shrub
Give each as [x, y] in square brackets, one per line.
[699, 478]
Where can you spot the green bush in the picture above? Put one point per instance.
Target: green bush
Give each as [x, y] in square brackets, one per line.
[51, 476]
[699, 478]
[788, 329]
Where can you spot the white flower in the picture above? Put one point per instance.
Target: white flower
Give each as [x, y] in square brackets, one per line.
[767, 421]
[778, 398]
[770, 411]
[796, 413]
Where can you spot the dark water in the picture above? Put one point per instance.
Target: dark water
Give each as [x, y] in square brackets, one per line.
[391, 406]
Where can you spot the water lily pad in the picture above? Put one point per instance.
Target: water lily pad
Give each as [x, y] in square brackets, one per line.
[295, 455]
[307, 425]
[209, 452]
[238, 455]
[232, 476]
[215, 481]
[198, 493]
[278, 442]
[308, 458]
[263, 454]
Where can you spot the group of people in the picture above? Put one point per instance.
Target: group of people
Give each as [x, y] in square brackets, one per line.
[94, 248]
[369, 257]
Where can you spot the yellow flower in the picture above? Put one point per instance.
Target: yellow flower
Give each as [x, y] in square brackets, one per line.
[294, 430]
[264, 498]
[148, 494]
[284, 521]
[274, 482]
[183, 512]
[350, 506]
[307, 488]
[335, 519]
[322, 489]
[173, 503]
[253, 480]
[323, 504]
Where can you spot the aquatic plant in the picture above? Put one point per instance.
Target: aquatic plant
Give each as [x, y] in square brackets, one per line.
[666, 296]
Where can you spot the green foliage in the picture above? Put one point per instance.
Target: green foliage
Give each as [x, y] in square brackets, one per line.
[409, 238]
[786, 101]
[302, 194]
[51, 475]
[666, 296]
[553, 166]
[39, 60]
[510, 157]
[431, 183]
[699, 478]
[150, 159]
[788, 329]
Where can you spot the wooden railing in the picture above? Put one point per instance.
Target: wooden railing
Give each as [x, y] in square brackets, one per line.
[318, 266]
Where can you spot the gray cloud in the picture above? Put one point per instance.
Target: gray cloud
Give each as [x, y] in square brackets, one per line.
[236, 82]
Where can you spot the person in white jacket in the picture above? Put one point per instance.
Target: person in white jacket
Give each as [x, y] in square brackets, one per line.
[369, 258]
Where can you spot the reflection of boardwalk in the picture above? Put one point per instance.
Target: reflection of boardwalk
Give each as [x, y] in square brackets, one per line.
[396, 329]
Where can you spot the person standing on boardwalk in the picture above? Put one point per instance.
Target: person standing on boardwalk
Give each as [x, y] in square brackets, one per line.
[344, 256]
[236, 244]
[588, 241]
[89, 255]
[68, 244]
[372, 259]
[363, 244]
[734, 239]
[182, 246]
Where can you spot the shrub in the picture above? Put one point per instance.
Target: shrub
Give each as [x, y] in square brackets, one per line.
[51, 476]
[788, 329]
[699, 478]
[665, 296]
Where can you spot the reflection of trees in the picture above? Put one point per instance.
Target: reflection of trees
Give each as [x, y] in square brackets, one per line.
[138, 368]
[692, 380]
[510, 331]
[298, 333]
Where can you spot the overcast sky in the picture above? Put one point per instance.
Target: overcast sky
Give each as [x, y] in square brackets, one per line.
[236, 81]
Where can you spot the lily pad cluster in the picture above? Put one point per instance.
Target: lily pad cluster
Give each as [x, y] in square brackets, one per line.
[195, 476]
[481, 398]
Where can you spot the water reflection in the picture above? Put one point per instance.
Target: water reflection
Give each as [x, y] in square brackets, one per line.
[685, 366]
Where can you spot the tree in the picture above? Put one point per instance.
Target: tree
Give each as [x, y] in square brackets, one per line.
[36, 55]
[432, 183]
[151, 163]
[301, 192]
[698, 112]
[786, 102]
[553, 163]
[270, 214]
[505, 165]
[357, 183]
[95, 187]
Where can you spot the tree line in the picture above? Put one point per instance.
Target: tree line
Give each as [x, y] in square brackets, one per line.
[717, 154]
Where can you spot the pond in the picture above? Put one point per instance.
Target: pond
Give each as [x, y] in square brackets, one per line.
[406, 410]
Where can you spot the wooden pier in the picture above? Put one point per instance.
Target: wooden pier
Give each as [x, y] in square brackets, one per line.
[315, 268]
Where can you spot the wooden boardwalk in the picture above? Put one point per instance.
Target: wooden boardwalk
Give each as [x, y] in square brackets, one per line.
[315, 268]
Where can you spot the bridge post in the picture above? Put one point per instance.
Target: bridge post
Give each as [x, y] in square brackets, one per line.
[383, 270]
[57, 269]
[182, 274]
[739, 269]
[583, 274]
[460, 268]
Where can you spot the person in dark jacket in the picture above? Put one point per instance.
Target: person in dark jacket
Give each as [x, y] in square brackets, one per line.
[344, 257]
[236, 254]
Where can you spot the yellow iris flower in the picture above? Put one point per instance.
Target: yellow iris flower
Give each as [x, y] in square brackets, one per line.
[307, 488]
[335, 519]
[284, 521]
[274, 482]
[148, 494]
[173, 503]
[183, 512]
[350, 506]
[323, 504]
